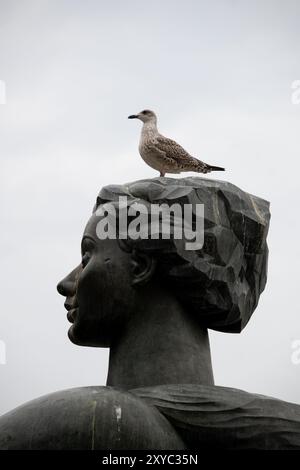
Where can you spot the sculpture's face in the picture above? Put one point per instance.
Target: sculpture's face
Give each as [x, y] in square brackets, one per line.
[99, 292]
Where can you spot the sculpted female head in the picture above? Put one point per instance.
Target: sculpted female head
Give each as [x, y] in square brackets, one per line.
[219, 284]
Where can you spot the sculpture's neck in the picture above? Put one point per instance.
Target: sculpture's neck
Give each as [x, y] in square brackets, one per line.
[161, 345]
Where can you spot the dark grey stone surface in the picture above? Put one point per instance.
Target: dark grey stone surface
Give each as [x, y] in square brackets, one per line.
[211, 417]
[179, 416]
[87, 418]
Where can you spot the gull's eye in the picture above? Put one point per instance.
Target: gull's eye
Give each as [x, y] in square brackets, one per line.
[144, 112]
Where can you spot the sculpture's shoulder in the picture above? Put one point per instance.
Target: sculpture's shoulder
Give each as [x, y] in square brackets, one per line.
[87, 418]
[214, 417]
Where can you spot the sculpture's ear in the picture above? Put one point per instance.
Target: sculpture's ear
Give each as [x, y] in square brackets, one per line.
[142, 267]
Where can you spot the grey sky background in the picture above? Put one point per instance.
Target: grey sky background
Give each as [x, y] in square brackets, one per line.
[219, 75]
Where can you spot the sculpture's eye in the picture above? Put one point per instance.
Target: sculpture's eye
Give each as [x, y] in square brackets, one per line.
[85, 259]
[86, 250]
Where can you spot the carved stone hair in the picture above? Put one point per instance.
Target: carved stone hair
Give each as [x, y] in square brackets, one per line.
[221, 283]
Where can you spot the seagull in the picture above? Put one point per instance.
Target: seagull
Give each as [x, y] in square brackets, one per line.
[163, 154]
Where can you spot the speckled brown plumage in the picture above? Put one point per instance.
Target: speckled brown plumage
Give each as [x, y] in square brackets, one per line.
[163, 154]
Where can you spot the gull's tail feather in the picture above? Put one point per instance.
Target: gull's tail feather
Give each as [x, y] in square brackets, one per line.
[215, 168]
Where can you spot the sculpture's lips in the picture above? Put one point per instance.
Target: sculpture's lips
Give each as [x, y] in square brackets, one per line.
[70, 304]
[71, 315]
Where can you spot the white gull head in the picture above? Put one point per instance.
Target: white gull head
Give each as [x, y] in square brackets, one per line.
[145, 116]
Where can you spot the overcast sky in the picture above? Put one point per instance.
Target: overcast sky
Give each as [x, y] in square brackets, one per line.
[219, 76]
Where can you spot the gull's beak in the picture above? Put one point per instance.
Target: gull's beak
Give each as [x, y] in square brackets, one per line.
[132, 116]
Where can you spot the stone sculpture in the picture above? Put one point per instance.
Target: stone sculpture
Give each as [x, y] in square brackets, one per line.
[151, 302]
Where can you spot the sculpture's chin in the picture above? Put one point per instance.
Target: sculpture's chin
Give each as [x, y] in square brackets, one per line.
[72, 336]
[76, 337]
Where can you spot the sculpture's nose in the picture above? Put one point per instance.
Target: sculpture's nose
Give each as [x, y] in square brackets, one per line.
[67, 286]
[64, 288]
